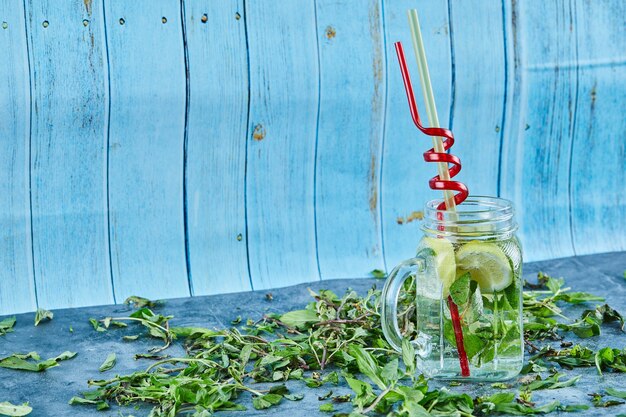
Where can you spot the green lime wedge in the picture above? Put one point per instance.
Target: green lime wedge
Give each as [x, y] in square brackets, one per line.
[444, 261]
[487, 264]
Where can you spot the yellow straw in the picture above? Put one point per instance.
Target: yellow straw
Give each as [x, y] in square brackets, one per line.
[429, 102]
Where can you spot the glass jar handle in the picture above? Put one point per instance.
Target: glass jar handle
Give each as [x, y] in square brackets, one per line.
[391, 292]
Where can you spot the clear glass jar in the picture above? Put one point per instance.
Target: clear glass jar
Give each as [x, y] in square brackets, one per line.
[459, 301]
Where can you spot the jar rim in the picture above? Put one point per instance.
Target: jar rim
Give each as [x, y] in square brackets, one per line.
[478, 217]
[485, 204]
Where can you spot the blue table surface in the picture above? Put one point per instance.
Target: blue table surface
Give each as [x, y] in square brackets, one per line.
[48, 392]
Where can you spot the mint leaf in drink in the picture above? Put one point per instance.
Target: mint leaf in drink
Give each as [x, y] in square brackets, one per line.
[42, 315]
[512, 295]
[8, 409]
[473, 345]
[460, 289]
[6, 325]
[108, 363]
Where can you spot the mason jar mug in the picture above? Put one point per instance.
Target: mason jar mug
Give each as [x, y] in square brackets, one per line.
[459, 301]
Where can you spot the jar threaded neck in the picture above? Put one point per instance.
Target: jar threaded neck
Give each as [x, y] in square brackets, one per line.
[477, 218]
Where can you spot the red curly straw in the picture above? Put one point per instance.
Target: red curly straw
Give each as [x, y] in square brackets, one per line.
[436, 183]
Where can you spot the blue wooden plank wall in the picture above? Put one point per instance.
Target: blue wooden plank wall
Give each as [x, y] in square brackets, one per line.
[182, 147]
[68, 153]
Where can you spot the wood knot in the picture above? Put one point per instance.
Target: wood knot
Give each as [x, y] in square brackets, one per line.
[330, 32]
[237, 16]
[204, 18]
[593, 94]
[416, 215]
[259, 132]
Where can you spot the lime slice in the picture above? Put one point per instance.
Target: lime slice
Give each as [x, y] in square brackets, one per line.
[487, 264]
[444, 261]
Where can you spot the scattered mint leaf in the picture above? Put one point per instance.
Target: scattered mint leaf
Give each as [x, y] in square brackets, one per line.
[367, 365]
[8, 409]
[577, 297]
[100, 405]
[331, 377]
[327, 408]
[140, 302]
[266, 401]
[299, 318]
[108, 363]
[345, 333]
[598, 401]
[108, 322]
[31, 361]
[408, 355]
[378, 274]
[603, 314]
[96, 325]
[150, 356]
[615, 393]
[6, 325]
[42, 315]
[552, 382]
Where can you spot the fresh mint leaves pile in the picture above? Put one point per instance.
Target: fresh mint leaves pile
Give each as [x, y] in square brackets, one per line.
[336, 338]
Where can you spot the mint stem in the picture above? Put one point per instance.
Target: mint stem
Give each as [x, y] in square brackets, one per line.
[458, 335]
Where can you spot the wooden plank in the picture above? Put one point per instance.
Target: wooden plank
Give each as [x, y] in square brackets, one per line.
[352, 106]
[281, 142]
[146, 142]
[598, 170]
[17, 289]
[216, 146]
[479, 92]
[536, 154]
[405, 174]
[68, 153]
